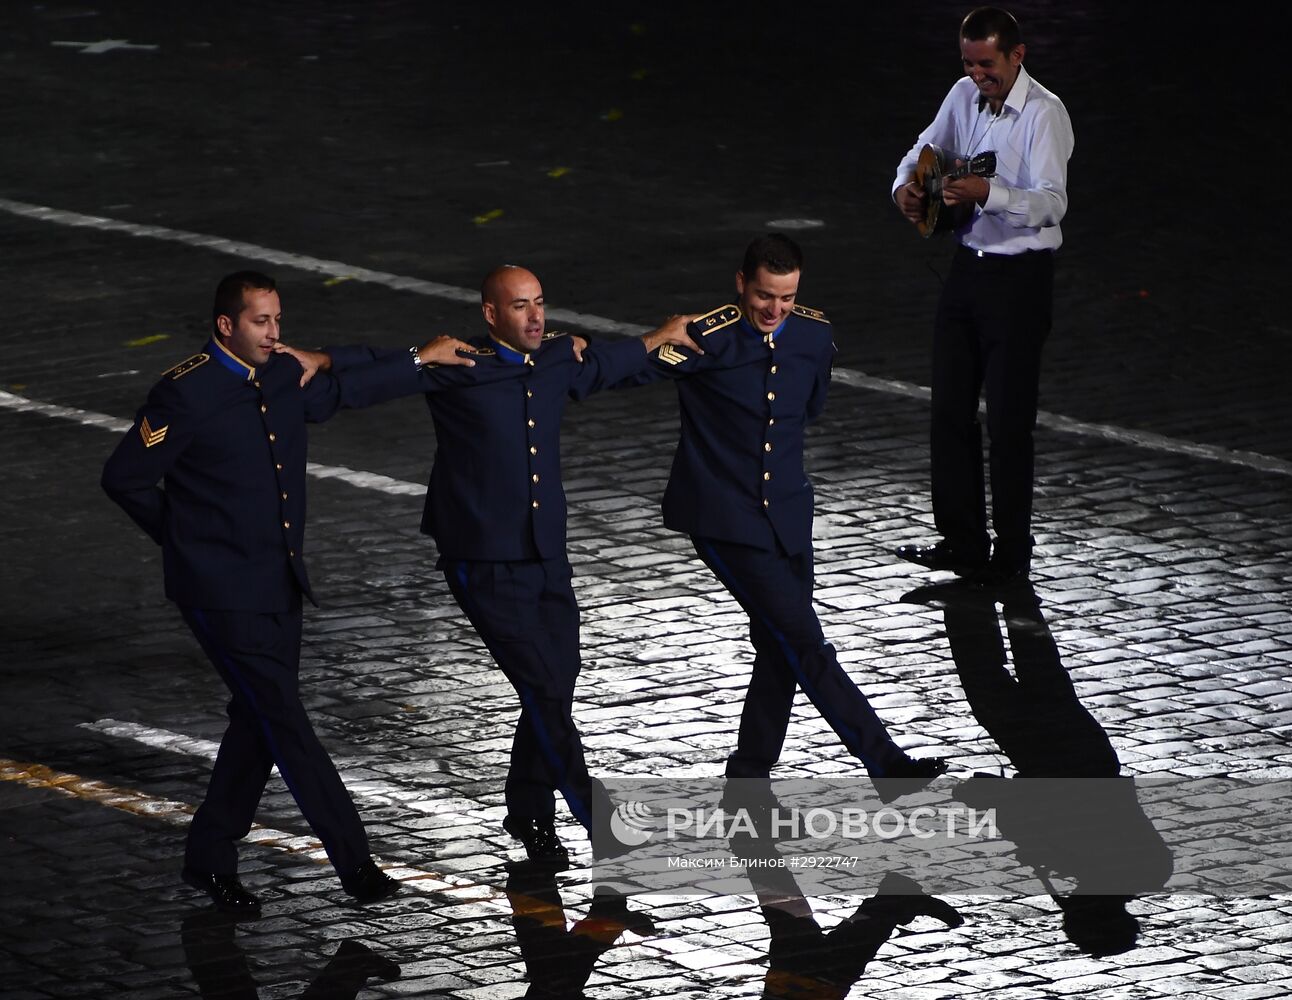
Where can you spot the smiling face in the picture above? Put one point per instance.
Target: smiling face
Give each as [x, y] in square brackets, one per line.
[252, 334]
[513, 308]
[992, 71]
[766, 298]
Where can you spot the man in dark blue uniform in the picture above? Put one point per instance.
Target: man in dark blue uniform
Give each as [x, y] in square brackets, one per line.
[226, 431]
[738, 488]
[496, 509]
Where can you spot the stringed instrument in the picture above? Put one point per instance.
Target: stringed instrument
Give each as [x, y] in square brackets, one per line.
[933, 169]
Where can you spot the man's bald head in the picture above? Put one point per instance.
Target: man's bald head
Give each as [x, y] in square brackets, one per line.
[511, 299]
[496, 281]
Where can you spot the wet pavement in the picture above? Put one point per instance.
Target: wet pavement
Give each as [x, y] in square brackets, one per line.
[626, 155]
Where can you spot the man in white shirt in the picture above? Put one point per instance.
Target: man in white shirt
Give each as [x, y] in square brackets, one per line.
[995, 308]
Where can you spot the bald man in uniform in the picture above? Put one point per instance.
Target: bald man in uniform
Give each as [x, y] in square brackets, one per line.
[496, 509]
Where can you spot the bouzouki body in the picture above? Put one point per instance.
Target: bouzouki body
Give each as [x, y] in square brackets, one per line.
[933, 169]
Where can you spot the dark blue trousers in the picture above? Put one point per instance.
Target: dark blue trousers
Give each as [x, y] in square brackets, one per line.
[258, 657]
[790, 651]
[527, 616]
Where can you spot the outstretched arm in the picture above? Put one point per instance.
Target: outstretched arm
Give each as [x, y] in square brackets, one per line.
[355, 377]
[623, 363]
[311, 362]
[440, 350]
[674, 331]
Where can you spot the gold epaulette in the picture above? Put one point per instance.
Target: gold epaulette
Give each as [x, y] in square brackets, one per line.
[716, 320]
[186, 366]
[483, 351]
[549, 334]
[807, 313]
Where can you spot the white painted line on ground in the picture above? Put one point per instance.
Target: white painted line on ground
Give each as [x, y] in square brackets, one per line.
[1080, 428]
[366, 480]
[105, 45]
[377, 791]
[12, 401]
[332, 268]
[88, 418]
[157, 739]
[601, 324]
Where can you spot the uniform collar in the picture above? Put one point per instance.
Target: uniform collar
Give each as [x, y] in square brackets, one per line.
[749, 327]
[509, 354]
[231, 361]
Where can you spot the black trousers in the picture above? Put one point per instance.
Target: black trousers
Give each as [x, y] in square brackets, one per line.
[790, 651]
[258, 657]
[992, 320]
[527, 616]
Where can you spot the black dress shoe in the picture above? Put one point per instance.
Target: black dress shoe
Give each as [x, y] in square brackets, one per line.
[542, 845]
[226, 892]
[369, 883]
[908, 775]
[943, 555]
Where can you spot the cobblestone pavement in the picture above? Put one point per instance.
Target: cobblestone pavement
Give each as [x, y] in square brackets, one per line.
[375, 136]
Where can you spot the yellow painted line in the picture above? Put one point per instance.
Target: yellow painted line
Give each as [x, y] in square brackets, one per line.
[613, 115]
[452, 888]
[336, 280]
[145, 341]
[558, 171]
[138, 803]
[125, 799]
[489, 216]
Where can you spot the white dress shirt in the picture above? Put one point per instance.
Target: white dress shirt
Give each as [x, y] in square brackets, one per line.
[1032, 140]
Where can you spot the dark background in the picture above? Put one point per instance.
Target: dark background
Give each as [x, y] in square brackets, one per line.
[355, 131]
[376, 135]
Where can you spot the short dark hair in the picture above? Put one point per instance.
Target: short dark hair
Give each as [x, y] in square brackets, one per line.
[984, 22]
[229, 293]
[774, 251]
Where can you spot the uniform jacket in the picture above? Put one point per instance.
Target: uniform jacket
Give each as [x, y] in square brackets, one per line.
[229, 443]
[495, 490]
[738, 472]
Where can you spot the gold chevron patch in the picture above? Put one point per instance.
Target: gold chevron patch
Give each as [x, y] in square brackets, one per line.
[150, 436]
[670, 354]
